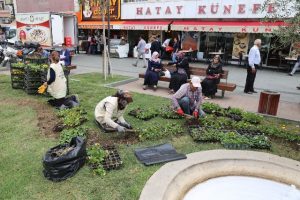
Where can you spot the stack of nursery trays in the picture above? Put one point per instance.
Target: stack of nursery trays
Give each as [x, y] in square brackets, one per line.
[113, 159]
[35, 76]
[17, 71]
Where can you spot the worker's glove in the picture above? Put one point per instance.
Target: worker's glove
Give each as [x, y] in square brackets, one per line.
[180, 112]
[196, 114]
[127, 125]
[121, 129]
[42, 89]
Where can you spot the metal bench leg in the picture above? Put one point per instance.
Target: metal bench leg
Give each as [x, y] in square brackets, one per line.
[223, 93]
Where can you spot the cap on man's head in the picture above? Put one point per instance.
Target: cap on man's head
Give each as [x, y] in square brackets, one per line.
[196, 82]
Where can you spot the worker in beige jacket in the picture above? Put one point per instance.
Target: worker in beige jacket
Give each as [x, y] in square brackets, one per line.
[114, 107]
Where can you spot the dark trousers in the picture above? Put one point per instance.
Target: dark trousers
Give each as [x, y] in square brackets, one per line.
[250, 79]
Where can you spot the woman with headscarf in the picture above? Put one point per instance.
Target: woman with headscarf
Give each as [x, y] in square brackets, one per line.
[153, 70]
[182, 73]
[213, 74]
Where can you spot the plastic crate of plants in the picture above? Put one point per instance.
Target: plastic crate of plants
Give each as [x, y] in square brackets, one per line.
[36, 70]
[17, 84]
[36, 59]
[113, 159]
[31, 90]
[17, 68]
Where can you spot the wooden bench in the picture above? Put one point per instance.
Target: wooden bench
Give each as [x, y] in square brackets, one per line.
[197, 71]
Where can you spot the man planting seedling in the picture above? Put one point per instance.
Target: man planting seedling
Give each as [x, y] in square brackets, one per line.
[187, 100]
[114, 107]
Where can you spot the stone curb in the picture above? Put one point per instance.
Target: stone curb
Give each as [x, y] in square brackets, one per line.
[173, 180]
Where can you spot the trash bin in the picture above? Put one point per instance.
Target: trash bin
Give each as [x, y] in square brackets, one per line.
[268, 102]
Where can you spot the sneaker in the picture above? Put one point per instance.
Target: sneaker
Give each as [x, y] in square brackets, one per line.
[248, 92]
[290, 74]
[145, 87]
[171, 92]
[206, 98]
[155, 87]
[298, 87]
[134, 65]
[144, 66]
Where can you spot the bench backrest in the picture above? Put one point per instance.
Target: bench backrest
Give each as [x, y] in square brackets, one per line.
[198, 71]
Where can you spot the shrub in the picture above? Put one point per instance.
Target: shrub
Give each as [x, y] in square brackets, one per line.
[67, 134]
[252, 118]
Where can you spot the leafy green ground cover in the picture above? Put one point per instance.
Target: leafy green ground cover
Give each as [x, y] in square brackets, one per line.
[22, 146]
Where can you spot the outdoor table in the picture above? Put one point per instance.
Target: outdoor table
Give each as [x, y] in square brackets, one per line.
[291, 61]
[216, 53]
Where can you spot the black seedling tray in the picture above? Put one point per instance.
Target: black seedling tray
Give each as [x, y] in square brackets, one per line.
[246, 132]
[235, 117]
[17, 85]
[113, 160]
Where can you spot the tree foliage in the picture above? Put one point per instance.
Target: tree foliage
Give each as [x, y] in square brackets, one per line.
[287, 11]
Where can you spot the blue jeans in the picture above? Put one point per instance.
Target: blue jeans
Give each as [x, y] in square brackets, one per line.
[174, 58]
[185, 106]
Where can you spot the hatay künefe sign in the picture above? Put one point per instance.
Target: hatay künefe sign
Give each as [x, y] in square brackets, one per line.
[91, 10]
[201, 9]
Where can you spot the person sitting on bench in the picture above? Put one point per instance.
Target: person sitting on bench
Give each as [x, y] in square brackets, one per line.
[188, 99]
[114, 107]
[181, 74]
[153, 71]
[213, 74]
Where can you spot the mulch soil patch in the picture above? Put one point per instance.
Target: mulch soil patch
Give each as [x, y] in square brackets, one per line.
[47, 119]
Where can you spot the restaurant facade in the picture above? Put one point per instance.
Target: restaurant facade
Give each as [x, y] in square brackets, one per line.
[228, 26]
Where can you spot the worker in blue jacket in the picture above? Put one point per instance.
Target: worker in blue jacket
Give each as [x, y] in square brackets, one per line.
[65, 56]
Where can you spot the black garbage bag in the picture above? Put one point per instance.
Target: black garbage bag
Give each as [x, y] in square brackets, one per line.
[63, 161]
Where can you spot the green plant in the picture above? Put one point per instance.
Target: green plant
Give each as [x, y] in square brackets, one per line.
[168, 113]
[243, 125]
[206, 135]
[208, 121]
[156, 131]
[274, 131]
[259, 142]
[20, 65]
[37, 67]
[144, 114]
[96, 156]
[72, 117]
[235, 111]
[211, 108]
[235, 141]
[252, 118]
[67, 134]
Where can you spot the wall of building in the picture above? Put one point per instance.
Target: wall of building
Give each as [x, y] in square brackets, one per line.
[27, 6]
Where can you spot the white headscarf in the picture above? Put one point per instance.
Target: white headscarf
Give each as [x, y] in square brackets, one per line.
[154, 57]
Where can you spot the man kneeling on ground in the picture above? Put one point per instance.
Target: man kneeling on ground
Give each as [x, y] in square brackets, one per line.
[188, 99]
[114, 107]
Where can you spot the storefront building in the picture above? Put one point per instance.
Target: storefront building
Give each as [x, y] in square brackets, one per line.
[228, 26]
